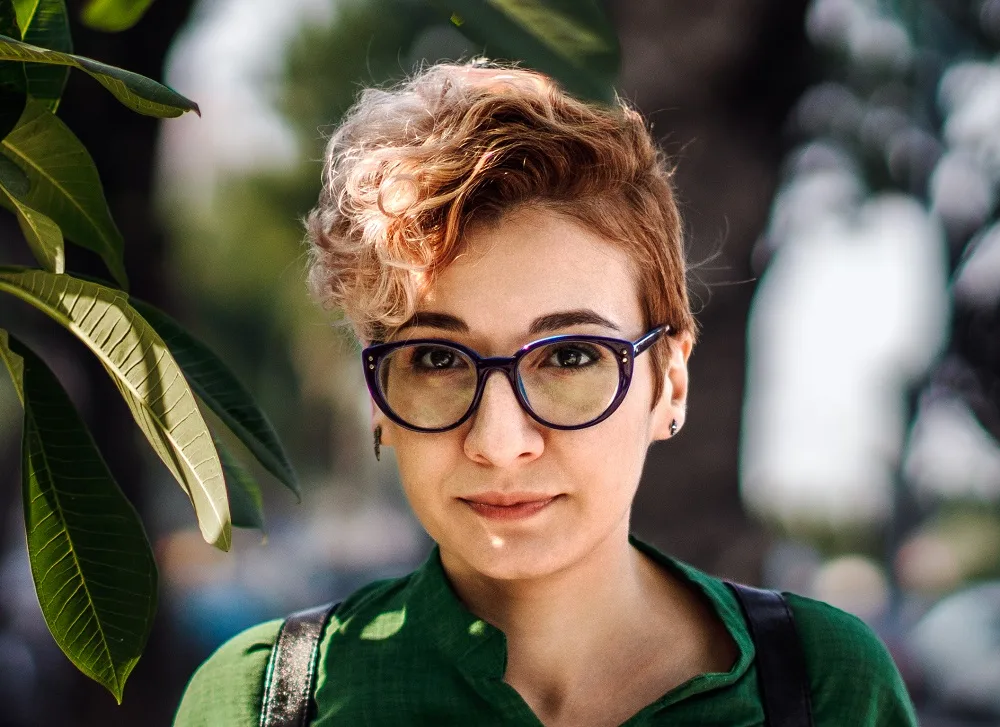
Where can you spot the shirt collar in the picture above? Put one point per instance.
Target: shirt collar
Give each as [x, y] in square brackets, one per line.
[480, 649]
[727, 608]
[462, 637]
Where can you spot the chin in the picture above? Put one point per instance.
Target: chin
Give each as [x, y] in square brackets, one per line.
[514, 558]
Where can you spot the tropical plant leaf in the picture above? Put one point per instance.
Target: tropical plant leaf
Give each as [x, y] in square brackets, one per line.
[570, 40]
[148, 378]
[65, 184]
[45, 23]
[216, 385]
[43, 235]
[14, 363]
[23, 10]
[92, 565]
[13, 84]
[139, 93]
[13, 177]
[246, 504]
[8, 18]
[114, 15]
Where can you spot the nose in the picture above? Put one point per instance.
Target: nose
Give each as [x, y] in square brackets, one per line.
[502, 433]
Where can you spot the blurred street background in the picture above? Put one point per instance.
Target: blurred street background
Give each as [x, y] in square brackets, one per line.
[838, 166]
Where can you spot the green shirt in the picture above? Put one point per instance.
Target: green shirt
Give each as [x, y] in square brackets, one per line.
[407, 652]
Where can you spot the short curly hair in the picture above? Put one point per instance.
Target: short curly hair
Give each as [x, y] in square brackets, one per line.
[410, 168]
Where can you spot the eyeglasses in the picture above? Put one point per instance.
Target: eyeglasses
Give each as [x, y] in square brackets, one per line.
[562, 382]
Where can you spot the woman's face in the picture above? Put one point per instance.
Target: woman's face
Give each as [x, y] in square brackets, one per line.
[502, 495]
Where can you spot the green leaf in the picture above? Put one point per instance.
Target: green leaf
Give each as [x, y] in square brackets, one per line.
[114, 15]
[13, 177]
[570, 40]
[246, 505]
[65, 185]
[148, 378]
[8, 18]
[14, 363]
[139, 93]
[13, 84]
[212, 380]
[39, 22]
[45, 23]
[43, 235]
[91, 562]
[24, 10]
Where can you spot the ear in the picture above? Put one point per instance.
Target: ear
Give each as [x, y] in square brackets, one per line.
[672, 404]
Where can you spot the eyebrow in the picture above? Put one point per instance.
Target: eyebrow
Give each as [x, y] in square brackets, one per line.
[542, 324]
[430, 319]
[565, 319]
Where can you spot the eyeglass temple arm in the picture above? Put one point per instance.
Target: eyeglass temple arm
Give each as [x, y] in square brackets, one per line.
[649, 339]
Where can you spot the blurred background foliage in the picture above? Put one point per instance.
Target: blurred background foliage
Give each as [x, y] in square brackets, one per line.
[838, 166]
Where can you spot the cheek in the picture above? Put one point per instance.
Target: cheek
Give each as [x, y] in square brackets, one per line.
[630, 425]
[424, 462]
[610, 455]
[415, 460]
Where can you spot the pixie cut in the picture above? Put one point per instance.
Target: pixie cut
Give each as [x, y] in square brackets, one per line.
[412, 168]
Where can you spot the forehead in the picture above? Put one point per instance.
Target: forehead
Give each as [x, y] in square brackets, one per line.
[534, 262]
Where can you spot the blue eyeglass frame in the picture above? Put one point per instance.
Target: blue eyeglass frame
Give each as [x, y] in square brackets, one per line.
[372, 357]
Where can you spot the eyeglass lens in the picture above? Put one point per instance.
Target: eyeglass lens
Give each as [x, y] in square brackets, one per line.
[565, 383]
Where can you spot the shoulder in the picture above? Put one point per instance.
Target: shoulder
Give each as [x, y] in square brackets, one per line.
[853, 678]
[229, 687]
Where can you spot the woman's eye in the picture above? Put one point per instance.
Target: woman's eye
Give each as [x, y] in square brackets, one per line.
[573, 356]
[435, 358]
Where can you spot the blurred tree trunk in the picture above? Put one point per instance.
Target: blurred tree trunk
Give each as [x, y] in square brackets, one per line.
[716, 79]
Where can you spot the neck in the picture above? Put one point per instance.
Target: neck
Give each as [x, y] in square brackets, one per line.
[609, 575]
[559, 626]
[595, 642]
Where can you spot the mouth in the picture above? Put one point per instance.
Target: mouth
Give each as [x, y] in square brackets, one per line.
[509, 506]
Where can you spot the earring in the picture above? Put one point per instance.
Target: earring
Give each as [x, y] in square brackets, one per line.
[378, 443]
[674, 426]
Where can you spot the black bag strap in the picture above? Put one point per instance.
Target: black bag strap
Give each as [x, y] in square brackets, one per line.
[781, 666]
[291, 670]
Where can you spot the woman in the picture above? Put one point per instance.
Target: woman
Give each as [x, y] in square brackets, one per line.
[512, 259]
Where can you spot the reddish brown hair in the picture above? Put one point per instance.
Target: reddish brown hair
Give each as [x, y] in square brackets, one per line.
[412, 167]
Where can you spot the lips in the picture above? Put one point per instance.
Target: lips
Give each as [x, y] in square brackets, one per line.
[509, 506]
